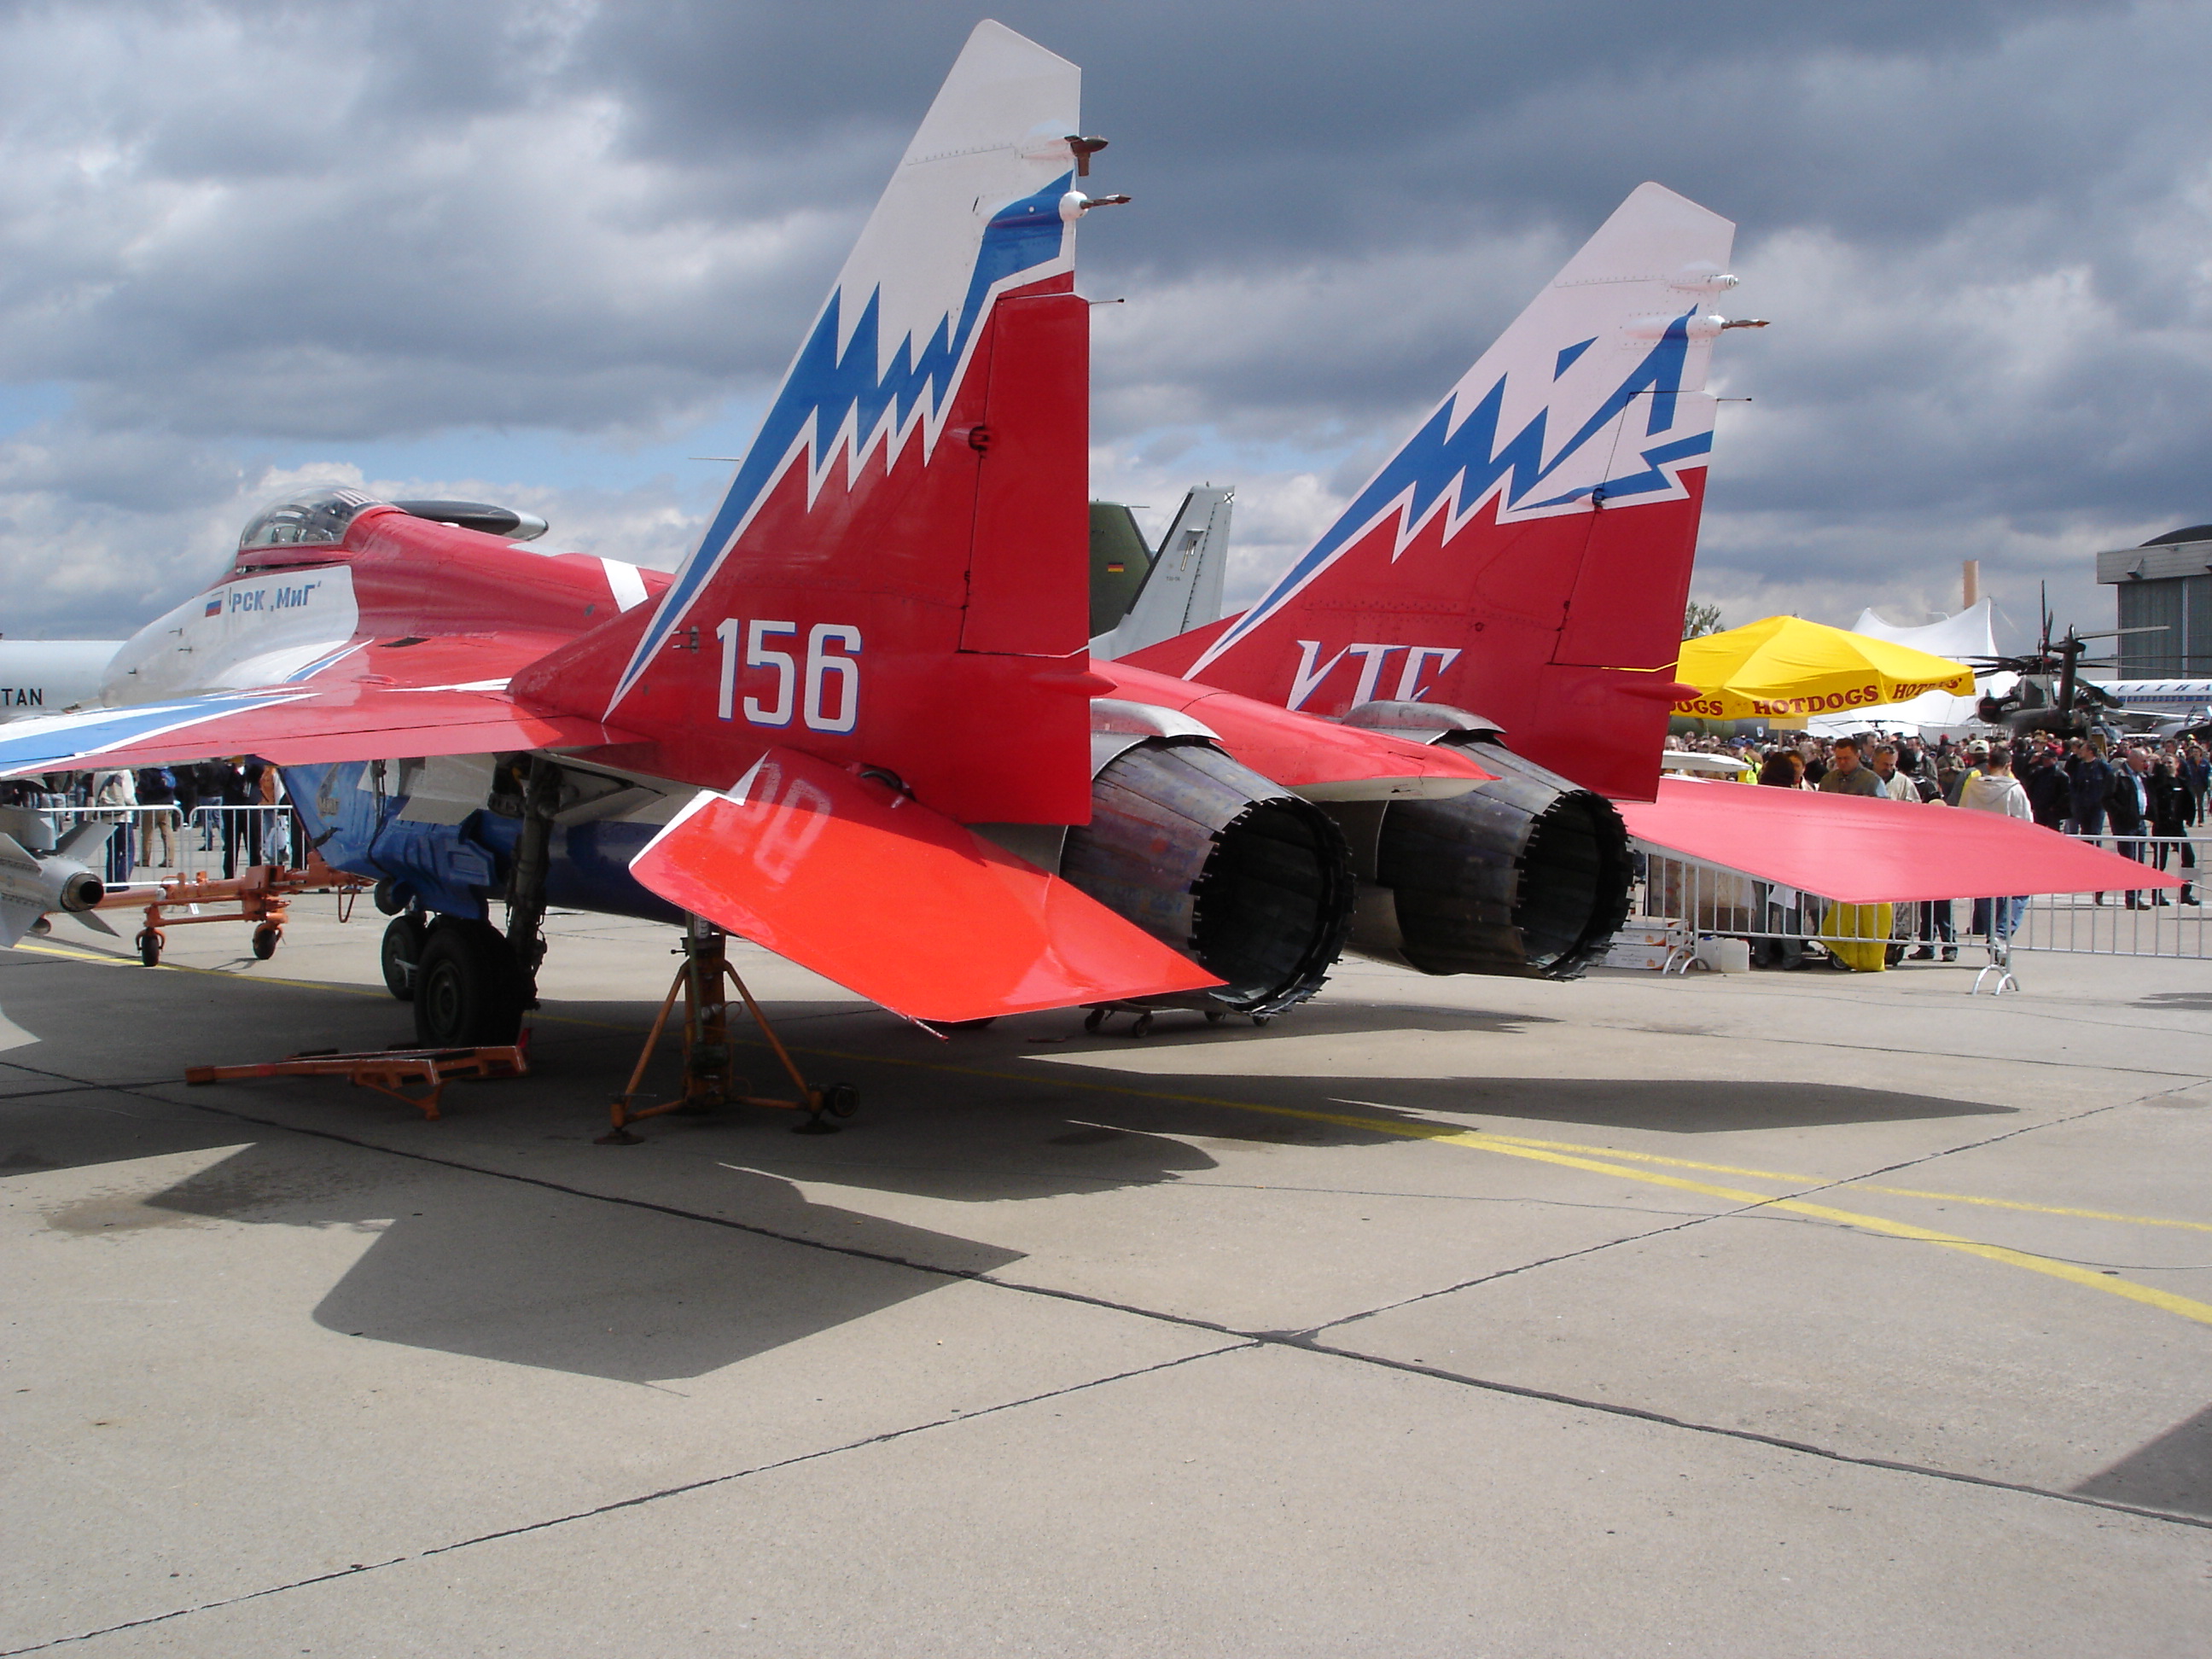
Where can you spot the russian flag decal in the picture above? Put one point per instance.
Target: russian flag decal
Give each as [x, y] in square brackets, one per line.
[214, 607]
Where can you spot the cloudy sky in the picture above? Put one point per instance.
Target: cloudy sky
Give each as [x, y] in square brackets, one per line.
[549, 252]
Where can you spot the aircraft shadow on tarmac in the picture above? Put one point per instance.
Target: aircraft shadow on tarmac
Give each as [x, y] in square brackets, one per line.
[465, 1262]
[2171, 1473]
[2187, 1002]
[499, 1270]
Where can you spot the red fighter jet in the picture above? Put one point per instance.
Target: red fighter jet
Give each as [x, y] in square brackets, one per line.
[859, 725]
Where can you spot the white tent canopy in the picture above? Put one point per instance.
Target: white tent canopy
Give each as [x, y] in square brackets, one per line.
[1969, 635]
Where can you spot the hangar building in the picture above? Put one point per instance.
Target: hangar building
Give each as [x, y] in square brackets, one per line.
[2166, 584]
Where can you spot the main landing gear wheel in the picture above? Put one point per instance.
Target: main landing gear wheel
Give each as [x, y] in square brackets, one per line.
[468, 987]
[149, 947]
[265, 941]
[401, 954]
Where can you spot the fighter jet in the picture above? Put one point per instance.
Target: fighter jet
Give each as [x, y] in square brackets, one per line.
[859, 725]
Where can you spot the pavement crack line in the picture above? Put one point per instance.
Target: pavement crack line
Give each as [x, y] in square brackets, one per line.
[1805, 1448]
[635, 1501]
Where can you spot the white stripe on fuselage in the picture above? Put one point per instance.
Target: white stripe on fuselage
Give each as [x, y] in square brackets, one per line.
[625, 584]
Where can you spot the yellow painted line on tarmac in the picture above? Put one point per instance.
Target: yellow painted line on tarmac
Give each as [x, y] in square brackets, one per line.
[1864, 1186]
[74, 955]
[1670, 1163]
[2036, 1209]
[1478, 1140]
[2186, 1307]
[101, 958]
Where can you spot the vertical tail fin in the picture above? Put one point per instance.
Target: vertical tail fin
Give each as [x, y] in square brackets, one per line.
[897, 575]
[1183, 590]
[1526, 554]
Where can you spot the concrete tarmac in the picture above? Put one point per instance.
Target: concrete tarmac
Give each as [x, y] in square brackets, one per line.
[1771, 1314]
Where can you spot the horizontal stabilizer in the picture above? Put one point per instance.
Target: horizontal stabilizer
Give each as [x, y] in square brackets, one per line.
[1860, 850]
[1317, 759]
[294, 726]
[864, 885]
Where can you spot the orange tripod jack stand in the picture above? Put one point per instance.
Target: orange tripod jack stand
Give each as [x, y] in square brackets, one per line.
[710, 1078]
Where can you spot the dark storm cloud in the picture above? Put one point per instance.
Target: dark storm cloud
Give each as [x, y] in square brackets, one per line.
[1982, 230]
[1313, 125]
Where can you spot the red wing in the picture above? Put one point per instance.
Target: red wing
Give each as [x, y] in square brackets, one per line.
[895, 902]
[292, 726]
[1859, 850]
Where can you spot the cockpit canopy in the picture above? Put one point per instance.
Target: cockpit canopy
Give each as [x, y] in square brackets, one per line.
[317, 518]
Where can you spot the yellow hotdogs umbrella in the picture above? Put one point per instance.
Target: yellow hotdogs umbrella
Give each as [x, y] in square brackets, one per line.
[1786, 667]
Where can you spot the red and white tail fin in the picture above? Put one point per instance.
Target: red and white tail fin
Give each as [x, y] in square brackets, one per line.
[898, 574]
[1526, 554]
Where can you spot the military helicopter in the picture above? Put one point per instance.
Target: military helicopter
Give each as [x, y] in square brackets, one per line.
[2052, 696]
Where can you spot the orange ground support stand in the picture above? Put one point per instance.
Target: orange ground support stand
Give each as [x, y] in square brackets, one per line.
[260, 893]
[387, 1071]
[709, 1071]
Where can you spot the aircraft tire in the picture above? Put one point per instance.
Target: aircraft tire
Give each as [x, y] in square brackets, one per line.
[468, 987]
[401, 956]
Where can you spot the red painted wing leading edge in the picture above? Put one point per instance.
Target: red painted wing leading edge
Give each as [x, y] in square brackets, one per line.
[897, 902]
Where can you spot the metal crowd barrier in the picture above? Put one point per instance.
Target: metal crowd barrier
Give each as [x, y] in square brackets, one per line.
[150, 843]
[2144, 923]
[1682, 907]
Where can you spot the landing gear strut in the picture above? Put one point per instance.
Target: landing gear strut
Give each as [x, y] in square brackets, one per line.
[710, 1074]
[525, 892]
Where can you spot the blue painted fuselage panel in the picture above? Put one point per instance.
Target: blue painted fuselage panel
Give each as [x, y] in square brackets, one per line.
[462, 868]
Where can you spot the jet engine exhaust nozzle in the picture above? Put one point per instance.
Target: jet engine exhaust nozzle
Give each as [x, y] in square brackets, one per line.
[1249, 881]
[1526, 877]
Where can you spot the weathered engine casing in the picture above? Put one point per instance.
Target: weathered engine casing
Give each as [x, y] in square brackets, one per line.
[1528, 877]
[1249, 881]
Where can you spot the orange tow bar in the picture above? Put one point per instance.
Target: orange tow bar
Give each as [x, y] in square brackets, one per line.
[387, 1071]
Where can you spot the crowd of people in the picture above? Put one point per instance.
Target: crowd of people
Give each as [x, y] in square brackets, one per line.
[154, 809]
[2144, 798]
